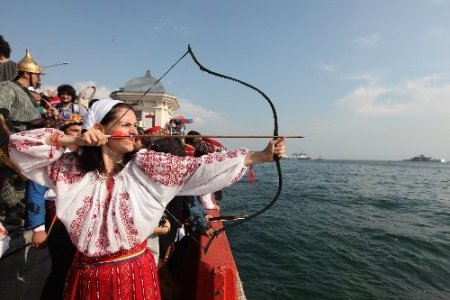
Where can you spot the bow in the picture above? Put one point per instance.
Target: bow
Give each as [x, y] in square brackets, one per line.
[241, 218]
[275, 133]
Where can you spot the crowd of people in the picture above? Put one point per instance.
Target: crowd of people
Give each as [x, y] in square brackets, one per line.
[109, 205]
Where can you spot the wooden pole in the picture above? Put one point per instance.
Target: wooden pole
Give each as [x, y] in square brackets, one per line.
[210, 136]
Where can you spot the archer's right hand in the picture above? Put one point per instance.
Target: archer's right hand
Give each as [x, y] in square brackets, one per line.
[92, 137]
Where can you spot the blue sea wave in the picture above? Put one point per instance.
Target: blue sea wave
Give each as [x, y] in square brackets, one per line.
[345, 230]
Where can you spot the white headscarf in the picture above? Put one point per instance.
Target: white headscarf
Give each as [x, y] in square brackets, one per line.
[98, 111]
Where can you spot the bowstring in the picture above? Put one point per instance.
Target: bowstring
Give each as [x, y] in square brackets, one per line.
[149, 89]
[275, 133]
[276, 158]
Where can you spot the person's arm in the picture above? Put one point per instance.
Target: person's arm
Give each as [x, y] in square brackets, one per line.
[35, 205]
[219, 170]
[40, 147]
[39, 238]
[7, 97]
[275, 147]
[175, 175]
[36, 213]
[197, 216]
[4, 129]
[209, 232]
[51, 113]
[92, 137]
[40, 160]
[164, 229]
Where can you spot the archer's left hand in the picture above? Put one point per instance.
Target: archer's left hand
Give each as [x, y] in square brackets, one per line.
[276, 147]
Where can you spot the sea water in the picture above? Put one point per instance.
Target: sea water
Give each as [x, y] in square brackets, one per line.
[344, 230]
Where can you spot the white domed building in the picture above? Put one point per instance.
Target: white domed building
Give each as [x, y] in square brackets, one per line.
[153, 109]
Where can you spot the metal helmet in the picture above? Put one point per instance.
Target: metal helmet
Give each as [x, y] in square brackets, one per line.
[28, 64]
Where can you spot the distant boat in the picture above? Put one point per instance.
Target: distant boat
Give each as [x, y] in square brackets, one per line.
[424, 158]
[301, 156]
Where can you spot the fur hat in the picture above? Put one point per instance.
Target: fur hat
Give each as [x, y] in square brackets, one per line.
[72, 119]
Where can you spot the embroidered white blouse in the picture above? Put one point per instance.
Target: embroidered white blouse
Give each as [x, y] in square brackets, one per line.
[105, 217]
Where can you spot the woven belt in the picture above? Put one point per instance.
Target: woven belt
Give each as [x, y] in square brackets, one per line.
[86, 261]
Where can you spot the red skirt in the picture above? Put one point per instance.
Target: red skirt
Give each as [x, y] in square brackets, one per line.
[129, 274]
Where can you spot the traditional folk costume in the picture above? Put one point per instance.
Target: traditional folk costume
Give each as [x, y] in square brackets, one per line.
[41, 216]
[109, 220]
[19, 108]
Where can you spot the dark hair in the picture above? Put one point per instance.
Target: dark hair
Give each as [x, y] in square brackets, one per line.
[67, 88]
[5, 49]
[91, 157]
[64, 127]
[198, 153]
[19, 74]
[173, 146]
[197, 143]
[190, 141]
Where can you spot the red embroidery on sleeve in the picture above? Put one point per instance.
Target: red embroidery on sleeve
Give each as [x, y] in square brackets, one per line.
[239, 176]
[22, 145]
[127, 219]
[77, 224]
[102, 242]
[65, 169]
[167, 169]
[174, 171]
[24, 140]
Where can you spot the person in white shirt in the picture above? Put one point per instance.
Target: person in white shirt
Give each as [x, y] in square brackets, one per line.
[110, 198]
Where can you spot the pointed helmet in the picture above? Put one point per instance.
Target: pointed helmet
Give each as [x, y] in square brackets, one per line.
[28, 64]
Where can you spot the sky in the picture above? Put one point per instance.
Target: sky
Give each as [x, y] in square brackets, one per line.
[359, 79]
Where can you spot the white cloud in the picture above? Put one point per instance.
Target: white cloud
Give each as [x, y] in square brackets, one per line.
[326, 67]
[364, 101]
[438, 33]
[202, 117]
[422, 96]
[101, 91]
[369, 77]
[169, 25]
[368, 41]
